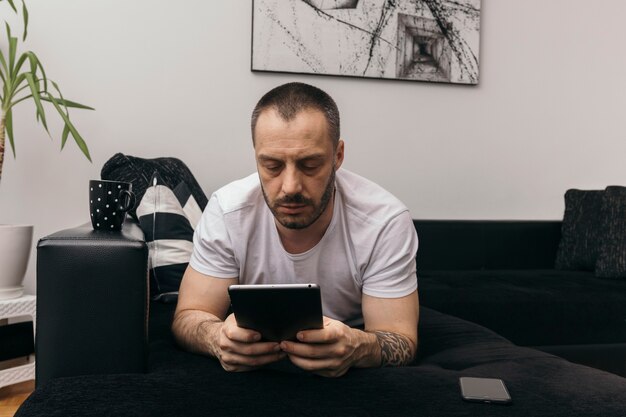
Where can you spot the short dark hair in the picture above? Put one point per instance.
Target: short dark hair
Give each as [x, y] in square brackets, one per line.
[292, 98]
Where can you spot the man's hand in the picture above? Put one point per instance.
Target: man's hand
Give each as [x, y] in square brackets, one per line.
[240, 350]
[198, 327]
[330, 351]
[389, 339]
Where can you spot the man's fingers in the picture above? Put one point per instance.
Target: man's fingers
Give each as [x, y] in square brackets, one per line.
[316, 336]
[239, 334]
[326, 352]
[331, 333]
[312, 351]
[240, 349]
[256, 349]
[318, 366]
[324, 367]
[232, 361]
[309, 364]
[244, 348]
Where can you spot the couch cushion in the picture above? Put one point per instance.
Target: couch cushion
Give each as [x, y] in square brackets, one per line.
[486, 244]
[532, 308]
[581, 230]
[611, 262]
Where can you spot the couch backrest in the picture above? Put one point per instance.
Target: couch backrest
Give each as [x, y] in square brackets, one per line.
[486, 244]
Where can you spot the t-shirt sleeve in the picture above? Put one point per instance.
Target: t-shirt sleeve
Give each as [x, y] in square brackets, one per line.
[212, 248]
[391, 272]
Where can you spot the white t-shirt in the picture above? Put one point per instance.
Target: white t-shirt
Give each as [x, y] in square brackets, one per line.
[368, 248]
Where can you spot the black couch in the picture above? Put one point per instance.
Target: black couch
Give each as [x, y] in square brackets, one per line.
[102, 351]
[501, 274]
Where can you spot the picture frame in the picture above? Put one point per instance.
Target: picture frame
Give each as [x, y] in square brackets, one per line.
[416, 40]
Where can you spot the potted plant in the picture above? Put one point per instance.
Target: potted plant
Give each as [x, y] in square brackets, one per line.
[23, 79]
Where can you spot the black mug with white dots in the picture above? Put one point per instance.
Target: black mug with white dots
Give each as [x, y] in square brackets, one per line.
[108, 203]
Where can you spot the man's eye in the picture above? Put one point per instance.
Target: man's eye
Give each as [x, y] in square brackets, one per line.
[310, 167]
[272, 168]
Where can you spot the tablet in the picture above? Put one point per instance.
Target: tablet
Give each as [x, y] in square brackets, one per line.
[277, 311]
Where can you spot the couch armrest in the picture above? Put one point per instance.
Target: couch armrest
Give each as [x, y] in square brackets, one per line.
[92, 302]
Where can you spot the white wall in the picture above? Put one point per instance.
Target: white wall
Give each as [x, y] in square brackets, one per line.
[173, 79]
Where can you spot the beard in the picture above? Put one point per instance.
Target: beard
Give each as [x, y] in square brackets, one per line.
[301, 221]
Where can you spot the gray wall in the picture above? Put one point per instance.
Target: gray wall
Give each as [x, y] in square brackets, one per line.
[172, 79]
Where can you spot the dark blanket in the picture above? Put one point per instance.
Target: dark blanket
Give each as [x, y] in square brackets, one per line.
[183, 384]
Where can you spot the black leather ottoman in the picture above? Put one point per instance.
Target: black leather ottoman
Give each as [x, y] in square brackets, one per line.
[91, 302]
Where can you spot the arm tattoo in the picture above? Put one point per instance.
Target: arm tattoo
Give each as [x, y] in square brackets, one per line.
[395, 350]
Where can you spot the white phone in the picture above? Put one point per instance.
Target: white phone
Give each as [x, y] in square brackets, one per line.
[484, 390]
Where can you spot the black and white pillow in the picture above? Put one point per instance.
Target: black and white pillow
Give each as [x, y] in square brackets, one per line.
[139, 171]
[168, 219]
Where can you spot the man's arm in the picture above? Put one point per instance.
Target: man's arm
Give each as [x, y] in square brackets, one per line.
[200, 325]
[389, 339]
[393, 321]
[202, 303]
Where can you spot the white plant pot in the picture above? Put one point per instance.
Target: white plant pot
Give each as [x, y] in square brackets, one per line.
[15, 245]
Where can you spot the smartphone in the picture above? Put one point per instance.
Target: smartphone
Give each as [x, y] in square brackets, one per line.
[484, 390]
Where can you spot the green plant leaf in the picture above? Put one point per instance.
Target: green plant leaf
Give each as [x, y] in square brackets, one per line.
[79, 140]
[18, 65]
[36, 98]
[12, 5]
[3, 62]
[25, 15]
[66, 132]
[4, 82]
[9, 127]
[12, 48]
[4, 72]
[61, 98]
[34, 64]
[15, 87]
[68, 103]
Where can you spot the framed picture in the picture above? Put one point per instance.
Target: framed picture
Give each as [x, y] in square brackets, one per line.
[419, 40]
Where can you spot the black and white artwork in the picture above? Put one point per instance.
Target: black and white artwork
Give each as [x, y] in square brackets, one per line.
[421, 40]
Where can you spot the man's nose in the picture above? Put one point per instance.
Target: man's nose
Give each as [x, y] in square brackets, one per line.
[292, 182]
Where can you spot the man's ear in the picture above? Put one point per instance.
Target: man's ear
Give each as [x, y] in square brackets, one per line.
[339, 153]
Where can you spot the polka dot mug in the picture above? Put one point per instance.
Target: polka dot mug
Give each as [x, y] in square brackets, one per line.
[108, 203]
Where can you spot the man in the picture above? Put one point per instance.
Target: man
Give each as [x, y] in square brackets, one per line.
[301, 219]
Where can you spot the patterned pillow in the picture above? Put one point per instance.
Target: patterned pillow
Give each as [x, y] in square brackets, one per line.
[138, 171]
[612, 255]
[168, 219]
[580, 231]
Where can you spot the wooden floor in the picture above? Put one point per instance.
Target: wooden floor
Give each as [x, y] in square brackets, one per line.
[13, 396]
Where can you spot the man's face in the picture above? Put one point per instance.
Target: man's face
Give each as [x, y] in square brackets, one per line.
[296, 163]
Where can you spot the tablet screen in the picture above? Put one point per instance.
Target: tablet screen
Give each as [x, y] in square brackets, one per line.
[277, 311]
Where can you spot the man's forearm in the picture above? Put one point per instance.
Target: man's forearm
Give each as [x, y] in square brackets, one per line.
[395, 349]
[197, 331]
[380, 348]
